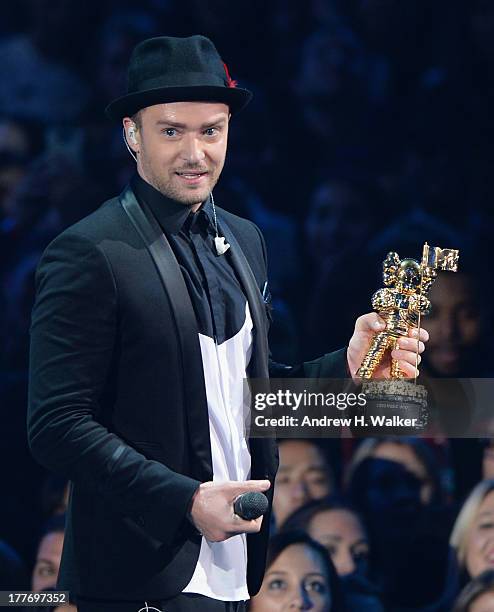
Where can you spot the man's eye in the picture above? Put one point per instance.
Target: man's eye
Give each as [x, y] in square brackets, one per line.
[320, 481]
[170, 132]
[282, 480]
[211, 131]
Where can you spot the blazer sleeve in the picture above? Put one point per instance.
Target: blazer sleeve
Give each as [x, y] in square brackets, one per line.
[330, 365]
[73, 332]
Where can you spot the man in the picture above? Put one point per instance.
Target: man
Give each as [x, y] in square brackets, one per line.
[149, 314]
[303, 476]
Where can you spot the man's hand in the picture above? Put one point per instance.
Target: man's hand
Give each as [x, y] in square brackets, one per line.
[366, 327]
[212, 509]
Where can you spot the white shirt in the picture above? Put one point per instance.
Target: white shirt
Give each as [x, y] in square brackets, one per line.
[221, 571]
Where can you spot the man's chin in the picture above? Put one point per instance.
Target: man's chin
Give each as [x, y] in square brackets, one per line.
[189, 199]
[190, 195]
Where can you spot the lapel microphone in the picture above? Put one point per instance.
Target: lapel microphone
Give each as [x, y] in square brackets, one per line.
[220, 241]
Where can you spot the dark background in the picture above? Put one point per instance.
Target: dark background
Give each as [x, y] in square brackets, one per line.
[371, 128]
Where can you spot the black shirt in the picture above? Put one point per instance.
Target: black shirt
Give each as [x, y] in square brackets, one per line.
[215, 291]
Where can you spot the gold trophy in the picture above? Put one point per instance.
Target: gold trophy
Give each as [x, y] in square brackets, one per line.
[401, 304]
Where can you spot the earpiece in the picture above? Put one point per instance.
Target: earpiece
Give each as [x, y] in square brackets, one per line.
[132, 135]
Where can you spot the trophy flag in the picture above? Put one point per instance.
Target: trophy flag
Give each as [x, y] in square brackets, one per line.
[440, 259]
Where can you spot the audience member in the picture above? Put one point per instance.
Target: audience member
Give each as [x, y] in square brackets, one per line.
[411, 453]
[336, 525]
[457, 325]
[49, 555]
[472, 536]
[398, 496]
[303, 475]
[339, 223]
[299, 575]
[478, 595]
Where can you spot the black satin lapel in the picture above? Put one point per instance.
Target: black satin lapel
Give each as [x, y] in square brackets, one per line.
[256, 304]
[186, 328]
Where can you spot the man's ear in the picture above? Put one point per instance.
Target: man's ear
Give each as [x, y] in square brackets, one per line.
[130, 129]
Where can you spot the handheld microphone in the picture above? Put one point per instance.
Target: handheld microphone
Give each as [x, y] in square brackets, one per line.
[250, 505]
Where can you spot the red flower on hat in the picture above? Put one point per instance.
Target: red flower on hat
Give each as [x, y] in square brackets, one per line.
[229, 81]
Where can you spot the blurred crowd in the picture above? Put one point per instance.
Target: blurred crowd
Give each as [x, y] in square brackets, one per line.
[370, 131]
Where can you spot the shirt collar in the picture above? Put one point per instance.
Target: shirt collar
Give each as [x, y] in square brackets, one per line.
[171, 214]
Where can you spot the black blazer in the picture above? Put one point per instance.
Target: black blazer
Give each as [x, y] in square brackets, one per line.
[117, 400]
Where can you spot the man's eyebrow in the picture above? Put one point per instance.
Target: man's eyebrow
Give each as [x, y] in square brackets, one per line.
[309, 468]
[174, 124]
[218, 121]
[333, 537]
[169, 123]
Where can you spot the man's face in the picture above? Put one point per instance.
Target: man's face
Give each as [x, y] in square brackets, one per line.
[303, 475]
[182, 148]
[454, 325]
[341, 533]
[403, 454]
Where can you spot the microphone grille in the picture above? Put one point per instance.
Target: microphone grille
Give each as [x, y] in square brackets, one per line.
[254, 504]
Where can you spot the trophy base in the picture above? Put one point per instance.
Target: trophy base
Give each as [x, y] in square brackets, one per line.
[394, 407]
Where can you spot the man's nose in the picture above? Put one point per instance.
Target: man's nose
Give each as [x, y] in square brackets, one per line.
[448, 327]
[192, 151]
[299, 491]
[346, 563]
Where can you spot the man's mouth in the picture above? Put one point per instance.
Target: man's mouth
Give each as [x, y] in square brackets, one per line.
[191, 173]
[192, 177]
[448, 354]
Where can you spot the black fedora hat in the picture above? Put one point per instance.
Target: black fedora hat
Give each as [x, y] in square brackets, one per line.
[169, 69]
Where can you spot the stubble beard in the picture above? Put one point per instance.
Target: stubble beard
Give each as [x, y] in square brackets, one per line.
[168, 186]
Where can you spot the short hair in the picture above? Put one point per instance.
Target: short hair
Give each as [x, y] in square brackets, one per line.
[459, 534]
[301, 518]
[282, 540]
[483, 583]
[52, 493]
[321, 450]
[55, 524]
[137, 119]
[419, 448]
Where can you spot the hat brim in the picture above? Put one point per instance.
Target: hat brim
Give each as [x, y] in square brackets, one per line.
[126, 106]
